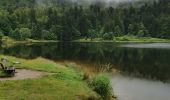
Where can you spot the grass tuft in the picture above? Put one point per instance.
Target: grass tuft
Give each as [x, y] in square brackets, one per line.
[101, 84]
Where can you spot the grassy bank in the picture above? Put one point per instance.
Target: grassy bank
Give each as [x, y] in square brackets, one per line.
[64, 84]
[125, 39]
[8, 40]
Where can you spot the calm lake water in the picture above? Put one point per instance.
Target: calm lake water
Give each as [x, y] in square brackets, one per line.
[144, 67]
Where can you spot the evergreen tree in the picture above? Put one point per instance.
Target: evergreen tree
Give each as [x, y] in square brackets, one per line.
[117, 31]
[131, 29]
[72, 22]
[142, 32]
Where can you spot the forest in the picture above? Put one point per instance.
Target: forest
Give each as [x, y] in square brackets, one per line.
[58, 20]
[84, 49]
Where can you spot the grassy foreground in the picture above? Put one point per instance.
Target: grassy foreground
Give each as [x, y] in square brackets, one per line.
[64, 84]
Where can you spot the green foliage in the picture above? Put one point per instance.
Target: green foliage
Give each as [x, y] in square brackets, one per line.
[25, 33]
[164, 27]
[101, 84]
[21, 34]
[108, 36]
[1, 35]
[15, 34]
[117, 31]
[142, 31]
[131, 29]
[67, 23]
[92, 34]
[62, 84]
[48, 35]
[5, 26]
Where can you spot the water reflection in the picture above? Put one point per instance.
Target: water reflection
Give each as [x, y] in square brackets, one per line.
[142, 62]
[131, 88]
[148, 45]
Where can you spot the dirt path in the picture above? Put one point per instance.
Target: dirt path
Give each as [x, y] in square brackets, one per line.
[22, 74]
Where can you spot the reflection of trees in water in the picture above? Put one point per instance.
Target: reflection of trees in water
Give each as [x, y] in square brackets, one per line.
[146, 62]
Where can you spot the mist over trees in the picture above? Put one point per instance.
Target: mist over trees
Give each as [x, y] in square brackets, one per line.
[107, 3]
[21, 19]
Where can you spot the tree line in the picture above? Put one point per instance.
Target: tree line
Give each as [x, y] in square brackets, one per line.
[22, 20]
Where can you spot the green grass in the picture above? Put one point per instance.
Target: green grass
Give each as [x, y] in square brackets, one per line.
[138, 39]
[125, 39]
[89, 40]
[64, 84]
[40, 41]
[9, 41]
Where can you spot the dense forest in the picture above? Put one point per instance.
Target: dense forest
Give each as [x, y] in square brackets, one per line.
[22, 19]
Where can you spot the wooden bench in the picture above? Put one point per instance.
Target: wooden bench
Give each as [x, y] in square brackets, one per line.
[8, 70]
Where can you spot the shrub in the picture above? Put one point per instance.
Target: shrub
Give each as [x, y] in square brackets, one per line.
[1, 35]
[108, 36]
[101, 85]
[92, 34]
[125, 39]
[140, 33]
[15, 34]
[47, 35]
[25, 33]
[21, 34]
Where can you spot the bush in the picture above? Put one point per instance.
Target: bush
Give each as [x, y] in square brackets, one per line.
[101, 85]
[140, 33]
[108, 36]
[25, 33]
[15, 34]
[92, 34]
[21, 34]
[47, 35]
[124, 39]
[1, 35]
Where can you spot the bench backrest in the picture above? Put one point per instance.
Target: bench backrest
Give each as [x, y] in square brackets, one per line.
[2, 66]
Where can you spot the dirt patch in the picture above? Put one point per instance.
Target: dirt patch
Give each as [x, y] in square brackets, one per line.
[22, 74]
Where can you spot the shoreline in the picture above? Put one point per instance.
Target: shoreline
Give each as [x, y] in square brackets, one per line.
[123, 39]
[126, 39]
[66, 78]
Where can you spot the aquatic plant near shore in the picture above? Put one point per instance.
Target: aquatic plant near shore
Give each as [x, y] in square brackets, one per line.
[101, 84]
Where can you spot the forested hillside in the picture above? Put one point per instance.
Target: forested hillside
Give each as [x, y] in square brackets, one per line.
[21, 19]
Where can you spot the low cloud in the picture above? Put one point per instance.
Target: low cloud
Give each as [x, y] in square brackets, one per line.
[104, 2]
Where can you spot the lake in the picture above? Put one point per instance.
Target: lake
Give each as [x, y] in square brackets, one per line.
[144, 68]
